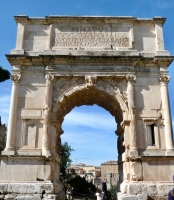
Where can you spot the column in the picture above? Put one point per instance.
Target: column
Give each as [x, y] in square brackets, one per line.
[10, 143]
[46, 149]
[167, 115]
[131, 105]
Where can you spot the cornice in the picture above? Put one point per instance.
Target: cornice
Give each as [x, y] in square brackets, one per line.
[44, 60]
[112, 19]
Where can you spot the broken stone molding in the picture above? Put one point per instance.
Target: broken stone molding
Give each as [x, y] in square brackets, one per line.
[141, 190]
[32, 190]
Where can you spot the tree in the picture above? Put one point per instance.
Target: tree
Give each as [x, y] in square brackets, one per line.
[82, 186]
[65, 162]
[4, 74]
[3, 130]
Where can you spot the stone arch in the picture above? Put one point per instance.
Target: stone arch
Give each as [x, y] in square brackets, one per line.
[110, 98]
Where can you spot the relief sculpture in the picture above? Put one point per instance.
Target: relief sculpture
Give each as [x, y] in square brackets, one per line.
[64, 84]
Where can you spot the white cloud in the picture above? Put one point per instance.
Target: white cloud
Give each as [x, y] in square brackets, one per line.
[93, 120]
[90, 131]
[4, 108]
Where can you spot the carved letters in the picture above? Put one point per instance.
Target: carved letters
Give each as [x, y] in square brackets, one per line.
[91, 37]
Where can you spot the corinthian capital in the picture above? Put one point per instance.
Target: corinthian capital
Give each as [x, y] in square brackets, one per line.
[49, 79]
[131, 79]
[15, 78]
[90, 81]
[164, 79]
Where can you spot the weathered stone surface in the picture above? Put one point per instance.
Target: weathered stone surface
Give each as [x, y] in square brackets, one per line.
[134, 188]
[24, 188]
[141, 196]
[51, 196]
[48, 188]
[129, 197]
[10, 197]
[28, 197]
[3, 187]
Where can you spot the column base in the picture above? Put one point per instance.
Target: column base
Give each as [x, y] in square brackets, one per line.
[8, 152]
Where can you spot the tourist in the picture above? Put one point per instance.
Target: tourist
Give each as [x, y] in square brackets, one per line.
[68, 197]
[72, 193]
[104, 189]
[98, 195]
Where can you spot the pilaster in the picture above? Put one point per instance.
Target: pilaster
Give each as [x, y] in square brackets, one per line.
[46, 148]
[19, 39]
[131, 105]
[160, 41]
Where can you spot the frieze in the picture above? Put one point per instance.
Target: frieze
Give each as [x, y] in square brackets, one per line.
[97, 68]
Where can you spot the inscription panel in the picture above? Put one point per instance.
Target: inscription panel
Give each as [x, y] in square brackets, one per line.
[92, 35]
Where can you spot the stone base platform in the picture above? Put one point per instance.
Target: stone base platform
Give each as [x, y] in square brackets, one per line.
[32, 190]
[29, 197]
[142, 190]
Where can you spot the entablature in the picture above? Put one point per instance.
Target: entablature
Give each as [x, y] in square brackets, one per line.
[51, 60]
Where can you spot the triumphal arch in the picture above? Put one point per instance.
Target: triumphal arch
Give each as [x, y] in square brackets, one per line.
[60, 62]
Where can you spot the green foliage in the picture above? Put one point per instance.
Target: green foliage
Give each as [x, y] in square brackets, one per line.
[111, 192]
[81, 185]
[65, 161]
[4, 74]
[3, 130]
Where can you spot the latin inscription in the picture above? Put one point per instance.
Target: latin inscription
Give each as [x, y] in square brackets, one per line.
[91, 37]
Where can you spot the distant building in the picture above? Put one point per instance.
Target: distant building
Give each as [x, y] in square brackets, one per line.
[86, 169]
[96, 175]
[78, 170]
[109, 171]
[96, 171]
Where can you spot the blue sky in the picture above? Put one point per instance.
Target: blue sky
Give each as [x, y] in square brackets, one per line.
[89, 130]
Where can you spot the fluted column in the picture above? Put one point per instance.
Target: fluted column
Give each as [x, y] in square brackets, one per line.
[167, 115]
[131, 104]
[46, 149]
[10, 144]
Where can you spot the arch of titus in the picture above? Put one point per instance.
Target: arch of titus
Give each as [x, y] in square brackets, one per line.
[60, 62]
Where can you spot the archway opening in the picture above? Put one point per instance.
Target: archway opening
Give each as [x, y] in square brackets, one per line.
[109, 99]
[90, 131]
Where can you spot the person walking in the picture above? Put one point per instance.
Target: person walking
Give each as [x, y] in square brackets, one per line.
[104, 189]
